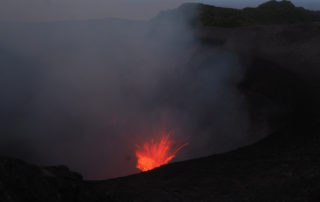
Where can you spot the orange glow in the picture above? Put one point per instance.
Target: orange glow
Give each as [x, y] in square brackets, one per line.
[155, 154]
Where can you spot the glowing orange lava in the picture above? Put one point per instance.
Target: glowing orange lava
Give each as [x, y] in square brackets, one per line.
[155, 154]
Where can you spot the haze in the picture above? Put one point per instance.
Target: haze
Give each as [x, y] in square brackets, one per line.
[51, 10]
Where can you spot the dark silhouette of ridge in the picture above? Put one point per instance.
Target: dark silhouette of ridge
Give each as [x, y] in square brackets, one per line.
[273, 4]
[271, 12]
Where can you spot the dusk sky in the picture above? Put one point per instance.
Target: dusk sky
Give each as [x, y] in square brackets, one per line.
[48, 10]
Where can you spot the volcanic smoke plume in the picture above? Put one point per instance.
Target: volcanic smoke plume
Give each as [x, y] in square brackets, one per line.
[85, 93]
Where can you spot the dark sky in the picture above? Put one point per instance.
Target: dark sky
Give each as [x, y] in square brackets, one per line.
[44, 10]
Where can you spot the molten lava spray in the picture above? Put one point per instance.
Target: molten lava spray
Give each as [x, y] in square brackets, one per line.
[155, 154]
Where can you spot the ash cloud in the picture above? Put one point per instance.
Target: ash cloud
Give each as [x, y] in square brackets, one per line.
[84, 93]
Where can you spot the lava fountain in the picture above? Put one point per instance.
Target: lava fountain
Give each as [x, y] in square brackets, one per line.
[155, 154]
